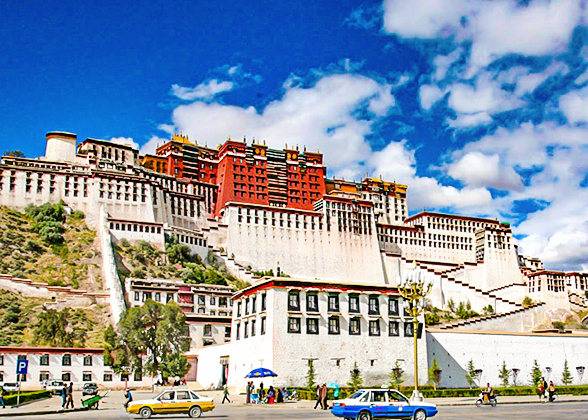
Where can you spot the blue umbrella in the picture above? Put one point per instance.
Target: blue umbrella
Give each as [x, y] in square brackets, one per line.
[260, 373]
[333, 385]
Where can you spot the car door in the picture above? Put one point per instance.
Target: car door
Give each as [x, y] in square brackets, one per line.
[183, 402]
[378, 404]
[166, 401]
[398, 405]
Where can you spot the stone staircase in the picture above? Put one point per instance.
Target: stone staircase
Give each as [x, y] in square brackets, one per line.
[482, 319]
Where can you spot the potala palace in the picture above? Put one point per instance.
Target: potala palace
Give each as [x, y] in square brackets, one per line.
[336, 248]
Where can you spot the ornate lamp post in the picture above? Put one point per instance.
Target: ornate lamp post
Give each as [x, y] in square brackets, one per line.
[414, 287]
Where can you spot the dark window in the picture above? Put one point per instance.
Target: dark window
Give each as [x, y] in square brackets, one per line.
[312, 325]
[253, 328]
[394, 329]
[138, 376]
[227, 332]
[1, 360]
[87, 377]
[293, 301]
[312, 302]
[375, 327]
[66, 376]
[355, 326]
[88, 360]
[108, 377]
[222, 301]
[44, 360]
[66, 360]
[293, 325]
[201, 300]
[334, 303]
[374, 308]
[334, 325]
[408, 329]
[246, 330]
[237, 331]
[239, 309]
[207, 330]
[393, 306]
[43, 376]
[354, 304]
[253, 305]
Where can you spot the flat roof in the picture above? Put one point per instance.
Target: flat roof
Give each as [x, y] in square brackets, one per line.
[285, 282]
[530, 334]
[25, 349]
[450, 216]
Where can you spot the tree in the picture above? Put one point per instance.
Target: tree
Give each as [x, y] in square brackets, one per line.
[310, 375]
[355, 380]
[396, 376]
[504, 374]
[161, 333]
[471, 374]
[53, 329]
[566, 378]
[435, 374]
[14, 153]
[536, 373]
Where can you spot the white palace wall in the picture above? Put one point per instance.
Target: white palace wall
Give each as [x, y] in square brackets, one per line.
[304, 253]
[453, 351]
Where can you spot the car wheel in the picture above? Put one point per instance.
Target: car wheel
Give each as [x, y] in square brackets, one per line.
[195, 412]
[364, 415]
[420, 415]
[145, 412]
[478, 403]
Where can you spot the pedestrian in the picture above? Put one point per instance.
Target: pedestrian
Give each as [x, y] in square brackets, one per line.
[323, 395]
[318, 396]
[63, 396]
[271, 395]
[2, 396]
[551, 391]
[70, 396]
[280, 396]
[226, 394]
[128, 396]
[248, 390]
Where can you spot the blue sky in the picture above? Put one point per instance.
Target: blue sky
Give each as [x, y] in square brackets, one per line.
[481, 107]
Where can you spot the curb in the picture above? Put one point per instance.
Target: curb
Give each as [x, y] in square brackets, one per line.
[44, 412]
[507, 403]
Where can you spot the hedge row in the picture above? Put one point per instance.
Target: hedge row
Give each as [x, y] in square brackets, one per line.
[26, 397]
[429, 392]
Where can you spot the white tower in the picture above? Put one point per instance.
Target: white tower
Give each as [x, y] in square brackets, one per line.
[61, 147]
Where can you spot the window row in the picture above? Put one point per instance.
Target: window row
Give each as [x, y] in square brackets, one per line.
[333, 303]
[250, 303]
[44, 360]
[250, 328]
[374, 326]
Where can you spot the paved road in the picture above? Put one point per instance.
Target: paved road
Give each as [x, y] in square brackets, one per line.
[238, 412]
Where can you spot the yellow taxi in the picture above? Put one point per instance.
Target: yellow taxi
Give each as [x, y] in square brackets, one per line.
[176, 401]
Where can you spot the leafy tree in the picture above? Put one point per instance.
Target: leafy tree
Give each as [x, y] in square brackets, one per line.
[161, 333]
[310, 375]
[488, 310]
[396, 376]
[566, 378]
[355, 380]
[435, 374]
[53, 328]
[451, 305]
[504, 374]
[116, 354]
[14, 153]
[471, 374]
[536, 373]
[527, 301]
[432, 319]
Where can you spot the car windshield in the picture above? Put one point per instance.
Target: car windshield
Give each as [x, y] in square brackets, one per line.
[356, 395]
[168, 396]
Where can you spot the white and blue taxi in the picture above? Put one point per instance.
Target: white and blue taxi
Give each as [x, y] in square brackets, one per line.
[367, 404]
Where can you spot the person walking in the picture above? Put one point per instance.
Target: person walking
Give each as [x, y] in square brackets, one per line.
[226, 394]
[323, 394]
[551, 391]
[271, 395]
[318, 396]
[2, 396]
[70, 396]
[128, 396]
[63, 396]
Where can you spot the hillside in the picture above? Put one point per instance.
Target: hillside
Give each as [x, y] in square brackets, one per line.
[32, 249]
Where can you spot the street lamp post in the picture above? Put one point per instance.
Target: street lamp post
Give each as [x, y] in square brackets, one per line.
[414, 287]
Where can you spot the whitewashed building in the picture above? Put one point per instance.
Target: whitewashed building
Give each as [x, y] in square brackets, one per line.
[77, 365]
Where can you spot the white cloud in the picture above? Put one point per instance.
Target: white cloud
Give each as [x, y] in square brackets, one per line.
[480, 170]
[168, 128]
[485, 96]
[575, 105]
[443, 62]
[125, 140]
[151, 145]
[470, 120]
[429, 95]
[495, 28]
[206, 90]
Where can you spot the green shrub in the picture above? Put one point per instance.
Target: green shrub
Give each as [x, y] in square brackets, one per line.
[26, 397]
